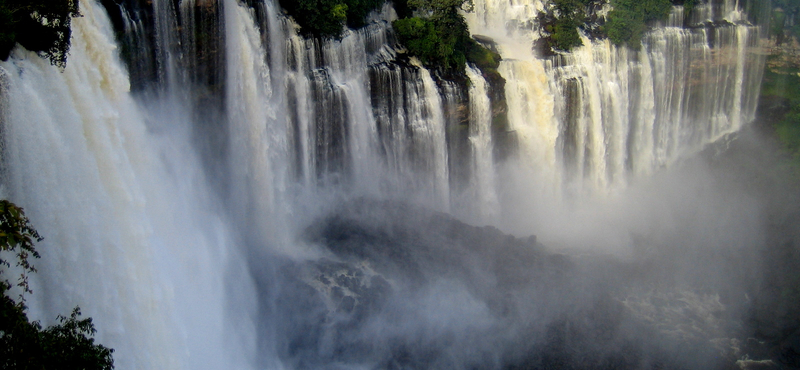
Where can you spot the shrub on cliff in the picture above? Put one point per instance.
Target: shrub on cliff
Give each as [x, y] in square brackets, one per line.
[42, 26]
[564, 35]
[25, 344]
[562, 20]
[440, 40]
[432, 30]
[782, 11]
[439, 36]
[628, 19]
[327, 18]
[624, 25]
[789, 6]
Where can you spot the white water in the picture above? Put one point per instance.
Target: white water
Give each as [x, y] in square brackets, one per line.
[634, 112]
[132, 234]
[137, 238]
[593, 121]
[482, 183]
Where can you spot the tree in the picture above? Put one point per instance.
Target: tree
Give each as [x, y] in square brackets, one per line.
[439, 36]
[42, 26]
[24, 344]
[565, 34]
[440, 40]
[327, 18]
[562, 19]
[441, 6]
[432, 30]
[628, 21]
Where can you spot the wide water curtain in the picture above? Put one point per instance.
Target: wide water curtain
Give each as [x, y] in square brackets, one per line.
[175, 165]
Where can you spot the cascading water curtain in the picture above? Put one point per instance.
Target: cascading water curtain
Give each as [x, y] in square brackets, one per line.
[157, 204]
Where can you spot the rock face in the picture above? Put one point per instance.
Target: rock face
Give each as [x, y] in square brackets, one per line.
[399, 287]
[421, 276]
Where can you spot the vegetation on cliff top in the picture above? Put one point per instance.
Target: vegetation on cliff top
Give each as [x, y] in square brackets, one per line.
[789, 7]
[779, 104]
[432, 30]
[438, 34]
[42, 26]
[780, 29]
[25, 344]
[326, 18]
[628, 21]
[781, 89]
[562, 20]
[624, 25]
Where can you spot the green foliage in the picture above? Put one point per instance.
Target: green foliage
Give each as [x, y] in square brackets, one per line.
[420, 38]
[17, 236]
[788, 132]
[42, 26]
[625, 27]
[688, 6]
[68, 345]
[653, 10]
[358, 10]
[571, 8]
[788, 6]
[780, 12]
[432, 30]
[781, 87]
[776, 24]
[628, 19]
[562, 21]
[441, 6]
[439, 35]
[781, 81]
[24, 344]
[327, 18]
[565, 34]
[432, 42]
[482, 57]
[783, 10]
[781, 84]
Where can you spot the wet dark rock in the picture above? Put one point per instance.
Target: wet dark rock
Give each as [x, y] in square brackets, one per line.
[486, 42]
[400, 287]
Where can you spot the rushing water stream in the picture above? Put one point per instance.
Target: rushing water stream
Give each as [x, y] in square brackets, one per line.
[169, 209]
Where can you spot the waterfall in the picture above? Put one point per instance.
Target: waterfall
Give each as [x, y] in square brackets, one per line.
[162, 188]
[132, 234]
[601, 115]
[482, 183]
